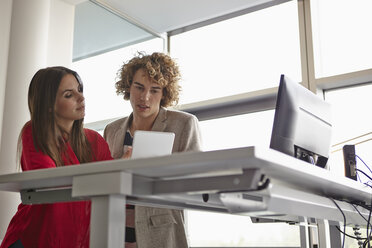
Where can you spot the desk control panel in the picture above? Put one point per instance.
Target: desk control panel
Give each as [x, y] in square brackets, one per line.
[350, 161]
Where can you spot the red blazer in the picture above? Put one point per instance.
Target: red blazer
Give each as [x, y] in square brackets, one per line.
[56, 224]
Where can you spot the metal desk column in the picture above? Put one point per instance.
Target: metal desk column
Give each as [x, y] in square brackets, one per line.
[107, 192]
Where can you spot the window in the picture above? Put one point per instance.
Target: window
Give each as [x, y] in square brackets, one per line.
[238, 131]
[341, 36]
[226, 230]
[247, 54]
[99, 76]
[208, 229]
[103, 41]
[242, 54]
[352, 124]
[97, 31]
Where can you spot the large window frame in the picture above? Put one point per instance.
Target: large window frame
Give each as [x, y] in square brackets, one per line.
[263, 100]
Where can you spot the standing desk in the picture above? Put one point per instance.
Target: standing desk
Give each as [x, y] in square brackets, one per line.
[254, 181]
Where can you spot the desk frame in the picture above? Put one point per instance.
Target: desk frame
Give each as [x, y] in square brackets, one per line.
[234, 179]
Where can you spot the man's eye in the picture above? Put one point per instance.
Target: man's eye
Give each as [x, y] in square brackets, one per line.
[154, 91]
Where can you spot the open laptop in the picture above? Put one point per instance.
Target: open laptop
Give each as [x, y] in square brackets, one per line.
[151, 144]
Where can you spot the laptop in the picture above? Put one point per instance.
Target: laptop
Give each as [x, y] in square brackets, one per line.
[151, 144]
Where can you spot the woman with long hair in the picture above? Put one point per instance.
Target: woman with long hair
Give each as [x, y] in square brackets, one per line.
[55, 137]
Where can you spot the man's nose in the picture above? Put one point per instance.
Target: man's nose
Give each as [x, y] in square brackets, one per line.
[145, 95]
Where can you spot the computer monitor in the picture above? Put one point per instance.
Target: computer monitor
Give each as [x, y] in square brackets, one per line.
[302, 124]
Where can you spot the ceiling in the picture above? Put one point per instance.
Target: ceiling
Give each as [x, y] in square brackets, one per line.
[159, 16]
[97, 30]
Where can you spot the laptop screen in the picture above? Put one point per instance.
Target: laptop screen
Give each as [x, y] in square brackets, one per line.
[151, 144]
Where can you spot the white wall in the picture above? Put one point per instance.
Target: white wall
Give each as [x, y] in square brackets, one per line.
[5, 17]
[61, 27]
[40, 34]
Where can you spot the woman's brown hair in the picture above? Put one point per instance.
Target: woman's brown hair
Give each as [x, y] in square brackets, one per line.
[48, 137]
[160, 67]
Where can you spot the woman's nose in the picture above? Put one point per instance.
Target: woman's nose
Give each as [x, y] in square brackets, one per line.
[81, 97]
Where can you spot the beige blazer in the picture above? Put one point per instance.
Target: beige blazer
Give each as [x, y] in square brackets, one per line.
[159, 227]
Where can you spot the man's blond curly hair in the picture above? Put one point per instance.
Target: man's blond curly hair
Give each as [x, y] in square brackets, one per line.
[161, 68]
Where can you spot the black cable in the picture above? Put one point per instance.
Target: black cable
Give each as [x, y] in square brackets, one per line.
[369, 237]
[357, 203]
[360, 213]
[368, 223]
[356, 156]
[350, 236]
[361, 204]
[358, 234]
[367, 232]
[359, 179]
[363, 162]
[366, 242]
[343, 215]
[358, 170]
[264, 184]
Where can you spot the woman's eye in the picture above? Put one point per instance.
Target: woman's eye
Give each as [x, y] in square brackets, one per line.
[68, 95]
[154, 91]
[80, 89]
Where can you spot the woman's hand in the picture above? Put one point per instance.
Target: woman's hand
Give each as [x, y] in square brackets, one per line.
[128, 153]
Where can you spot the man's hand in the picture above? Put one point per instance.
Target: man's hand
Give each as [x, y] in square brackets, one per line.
[128, 153]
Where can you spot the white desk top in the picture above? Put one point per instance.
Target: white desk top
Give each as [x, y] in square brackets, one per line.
[273, 164]
[291, 177]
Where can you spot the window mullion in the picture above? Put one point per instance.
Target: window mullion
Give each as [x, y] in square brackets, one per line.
[306, 45]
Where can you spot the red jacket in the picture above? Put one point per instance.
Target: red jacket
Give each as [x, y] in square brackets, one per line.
[56, 224]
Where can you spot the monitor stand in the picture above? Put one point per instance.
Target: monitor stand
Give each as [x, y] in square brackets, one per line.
[310, 157]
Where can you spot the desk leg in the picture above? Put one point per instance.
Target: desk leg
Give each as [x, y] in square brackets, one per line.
[304, 233]
[324, 235]
[107, 221]
[335, 235]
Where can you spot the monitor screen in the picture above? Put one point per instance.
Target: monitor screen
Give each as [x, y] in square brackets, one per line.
[302, 124]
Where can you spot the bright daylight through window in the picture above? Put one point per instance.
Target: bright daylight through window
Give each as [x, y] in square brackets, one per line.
[247, 54]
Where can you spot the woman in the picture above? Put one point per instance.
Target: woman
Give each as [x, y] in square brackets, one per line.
[55, 137]
[150, 82]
